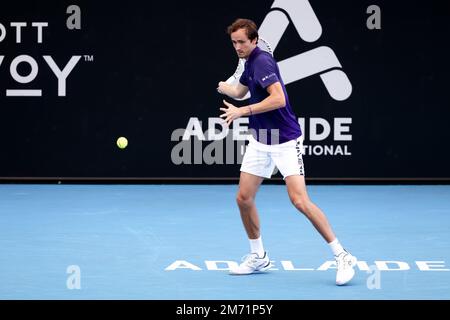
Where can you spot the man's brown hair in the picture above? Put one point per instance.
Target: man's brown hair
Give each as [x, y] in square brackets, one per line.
[248, 25]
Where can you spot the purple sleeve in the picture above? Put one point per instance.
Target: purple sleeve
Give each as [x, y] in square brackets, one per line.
[266, 71]
[244, 78]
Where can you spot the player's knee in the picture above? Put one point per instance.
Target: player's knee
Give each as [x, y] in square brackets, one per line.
[301, 203]
[244, 201]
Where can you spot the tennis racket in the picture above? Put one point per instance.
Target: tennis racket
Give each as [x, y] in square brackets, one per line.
[234, 79]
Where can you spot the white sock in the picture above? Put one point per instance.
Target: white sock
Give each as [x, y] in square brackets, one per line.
[256, 246]
[336, 247]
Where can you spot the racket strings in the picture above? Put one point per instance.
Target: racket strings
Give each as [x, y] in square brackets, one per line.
[240, 68]
[265, 46]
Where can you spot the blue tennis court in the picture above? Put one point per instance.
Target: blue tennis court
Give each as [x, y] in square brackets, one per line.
[177, 241]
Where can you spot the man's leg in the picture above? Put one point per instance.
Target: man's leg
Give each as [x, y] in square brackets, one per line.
[248, 187]
[299, 197]
[257, 260]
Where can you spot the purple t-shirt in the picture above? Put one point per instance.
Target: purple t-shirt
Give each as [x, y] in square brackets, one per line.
[276, 126]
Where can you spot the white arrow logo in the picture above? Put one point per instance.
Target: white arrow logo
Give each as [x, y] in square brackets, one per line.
[321, 60]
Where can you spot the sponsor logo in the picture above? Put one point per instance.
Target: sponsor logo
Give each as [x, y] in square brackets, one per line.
[289, 265]
[321, 60]
[24, 69]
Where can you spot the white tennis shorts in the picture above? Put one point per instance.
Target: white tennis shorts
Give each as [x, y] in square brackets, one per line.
[260, 159]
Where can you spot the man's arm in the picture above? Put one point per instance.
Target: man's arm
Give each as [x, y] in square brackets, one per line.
[232, 91]
[275, 100]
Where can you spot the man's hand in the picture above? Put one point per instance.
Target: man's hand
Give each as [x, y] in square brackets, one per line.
[222, 87]
[231, 113]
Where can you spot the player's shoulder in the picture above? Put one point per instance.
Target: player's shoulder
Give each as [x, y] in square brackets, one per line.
[264, 57]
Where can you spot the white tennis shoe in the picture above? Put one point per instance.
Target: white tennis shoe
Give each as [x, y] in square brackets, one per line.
[251, 263]
[345, 263]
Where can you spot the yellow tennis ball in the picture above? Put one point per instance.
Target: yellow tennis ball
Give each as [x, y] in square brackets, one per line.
[122, 142]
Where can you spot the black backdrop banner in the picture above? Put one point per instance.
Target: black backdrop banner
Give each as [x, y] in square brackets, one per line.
[367, 80]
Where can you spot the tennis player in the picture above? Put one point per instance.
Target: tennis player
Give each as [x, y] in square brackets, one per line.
[275, 140]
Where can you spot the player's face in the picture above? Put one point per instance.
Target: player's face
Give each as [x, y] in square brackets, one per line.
[242, 43]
